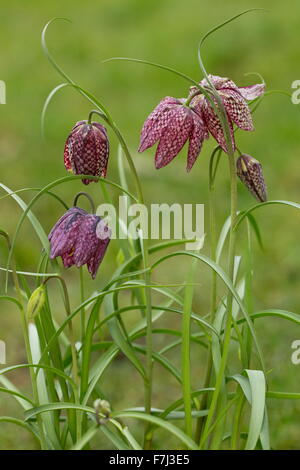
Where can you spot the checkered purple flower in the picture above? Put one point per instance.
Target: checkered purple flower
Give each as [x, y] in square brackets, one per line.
[172, 124]
[234, 99]
[80, 238]
[87, 150]
[249, 170]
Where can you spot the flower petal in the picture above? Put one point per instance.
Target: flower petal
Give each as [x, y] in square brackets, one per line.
[103, 233]
[197, 135]
[67, 259]
[67, 161]
[215, 127]
[96, 152]
[63, 235]
[237, 109]
[253, 91]
[175, 135]
[219, 82]
[156, 123]
[86, 240]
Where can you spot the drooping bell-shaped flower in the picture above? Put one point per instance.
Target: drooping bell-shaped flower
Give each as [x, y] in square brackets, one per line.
[80, 238]
[234, 99]
[171, 124]
[249, 170]
[87, 150]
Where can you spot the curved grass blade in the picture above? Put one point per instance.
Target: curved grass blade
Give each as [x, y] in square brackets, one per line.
[258, 396]
[262, 204]
[284, 314]
[11, 299]
[223, 276]
[153, 64]
[32, 412]
[283, 395]
[161, 423]
[114, 438]
[18, 422]
[15, 394]
[41, 366]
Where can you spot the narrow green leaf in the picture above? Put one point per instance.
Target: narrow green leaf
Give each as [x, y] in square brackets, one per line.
[32, 412]
[159, 422]
[258, 397]
[242, 216]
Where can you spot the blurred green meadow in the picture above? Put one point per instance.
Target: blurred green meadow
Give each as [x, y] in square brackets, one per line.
[167, 32]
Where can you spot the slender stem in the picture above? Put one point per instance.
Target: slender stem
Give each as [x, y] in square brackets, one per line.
[221, 415]
[27, 345]
[71, 331]
[144, 245]
[236, 419]
[83, 193]
[212, 221]
[75, 368]
[248, 300]
[227, 333]
[149, 361]
[191, 97]
[82, 311]
[213, 299]
[185, 352]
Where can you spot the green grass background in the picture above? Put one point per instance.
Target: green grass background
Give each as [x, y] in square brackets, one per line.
[164, 31]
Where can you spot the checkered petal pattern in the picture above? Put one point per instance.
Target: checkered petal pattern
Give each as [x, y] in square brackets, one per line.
[249, 170]
[215, 127]
[234, 100]
[87, 150]
[171, 124]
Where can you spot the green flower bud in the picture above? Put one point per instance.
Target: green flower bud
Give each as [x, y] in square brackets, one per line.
[102, 407]
[36, 302]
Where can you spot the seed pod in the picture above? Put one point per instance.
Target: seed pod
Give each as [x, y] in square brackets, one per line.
[250, 173]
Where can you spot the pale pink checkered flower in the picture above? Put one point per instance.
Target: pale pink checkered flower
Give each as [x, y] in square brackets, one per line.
[87, 150]
[172, 124]
[234, 99]
[80, 238]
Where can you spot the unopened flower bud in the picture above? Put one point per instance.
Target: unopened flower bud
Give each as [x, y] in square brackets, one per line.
[36, 302]
[102, 407]
[250, 173]
[87, 150]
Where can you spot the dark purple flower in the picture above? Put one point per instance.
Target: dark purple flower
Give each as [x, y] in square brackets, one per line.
[234, 99]
[87, 150]
[172, 124]
[249, 170]
[80, 238]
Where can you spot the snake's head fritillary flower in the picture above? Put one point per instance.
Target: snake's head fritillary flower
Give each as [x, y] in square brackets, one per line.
[171, 124]
[80, 238]
[234, 99]
[87, 150]
[249, 170]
